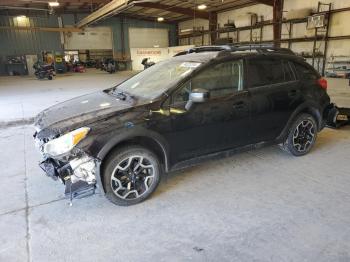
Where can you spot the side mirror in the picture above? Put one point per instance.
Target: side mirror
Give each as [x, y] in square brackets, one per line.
[197, 96]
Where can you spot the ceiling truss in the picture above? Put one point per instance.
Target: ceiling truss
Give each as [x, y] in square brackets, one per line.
[171, 10]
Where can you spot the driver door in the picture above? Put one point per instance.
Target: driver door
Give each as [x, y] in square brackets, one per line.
[222, 122]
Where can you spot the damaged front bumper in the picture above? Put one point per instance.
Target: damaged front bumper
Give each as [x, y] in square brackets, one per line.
[78, 174]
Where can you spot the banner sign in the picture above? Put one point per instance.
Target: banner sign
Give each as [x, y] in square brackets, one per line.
[154, 54]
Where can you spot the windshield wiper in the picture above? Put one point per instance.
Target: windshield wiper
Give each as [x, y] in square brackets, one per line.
[121, 94]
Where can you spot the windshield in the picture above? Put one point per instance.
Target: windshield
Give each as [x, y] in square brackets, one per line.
[155, 80]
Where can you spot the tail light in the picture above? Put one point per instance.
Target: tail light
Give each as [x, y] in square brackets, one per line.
[323, 83]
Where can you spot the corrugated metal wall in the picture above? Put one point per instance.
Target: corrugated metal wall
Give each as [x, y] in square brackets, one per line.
[20, 42]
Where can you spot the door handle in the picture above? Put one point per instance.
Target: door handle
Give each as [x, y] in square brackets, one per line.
[239, 105]
[293, 93]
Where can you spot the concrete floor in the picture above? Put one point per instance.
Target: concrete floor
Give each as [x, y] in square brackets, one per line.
[264, 205]
[22, 97]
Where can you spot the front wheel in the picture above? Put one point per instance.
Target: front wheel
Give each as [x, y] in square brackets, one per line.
[302, 135]
[131, 175]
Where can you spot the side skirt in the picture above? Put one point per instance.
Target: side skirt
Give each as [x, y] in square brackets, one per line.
[218, 155]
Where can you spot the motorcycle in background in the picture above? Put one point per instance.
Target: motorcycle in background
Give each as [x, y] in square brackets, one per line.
[146, 64]
[111, 66]
[43, 71]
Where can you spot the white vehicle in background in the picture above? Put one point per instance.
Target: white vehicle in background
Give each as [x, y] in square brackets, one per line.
[338, 67]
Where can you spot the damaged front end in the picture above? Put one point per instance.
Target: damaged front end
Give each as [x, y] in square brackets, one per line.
[63, 161]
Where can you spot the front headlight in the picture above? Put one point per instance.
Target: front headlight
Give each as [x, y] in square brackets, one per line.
[65, 143]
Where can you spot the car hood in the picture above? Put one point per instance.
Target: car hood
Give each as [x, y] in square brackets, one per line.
[81, 111]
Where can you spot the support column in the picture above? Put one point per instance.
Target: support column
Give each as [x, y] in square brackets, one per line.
[213, 24]
[177, 39]
[277, 21]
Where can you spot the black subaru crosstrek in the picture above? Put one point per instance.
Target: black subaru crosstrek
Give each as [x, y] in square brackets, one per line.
[206, 103]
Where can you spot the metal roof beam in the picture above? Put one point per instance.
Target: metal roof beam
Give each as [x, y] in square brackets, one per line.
[265, 2]
[175, 9]
[113, 7]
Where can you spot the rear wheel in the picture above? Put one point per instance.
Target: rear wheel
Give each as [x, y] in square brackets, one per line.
[131, 175]
[302, 135]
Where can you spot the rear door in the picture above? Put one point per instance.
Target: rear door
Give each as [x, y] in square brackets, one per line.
[275, 94]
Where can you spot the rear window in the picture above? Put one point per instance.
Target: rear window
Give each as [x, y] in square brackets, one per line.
[305, 72]
[269, 71]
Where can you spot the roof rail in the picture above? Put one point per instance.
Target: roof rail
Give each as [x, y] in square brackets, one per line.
[201, 49]
[235, 48]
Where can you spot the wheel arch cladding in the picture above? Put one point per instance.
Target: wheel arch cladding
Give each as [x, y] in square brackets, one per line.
[308, 108]
[316, 114]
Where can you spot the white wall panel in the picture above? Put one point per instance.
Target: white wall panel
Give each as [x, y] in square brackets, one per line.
[339, 48]
[300, 4]
[148, 37]
[189, 24]
[268, 33]
[92, 38]
[340, 24]
[242, 16]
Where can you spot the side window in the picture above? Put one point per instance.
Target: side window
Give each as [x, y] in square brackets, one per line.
[305, 73]
[266, 72]
[221, 79]
[288, 73]
[182, 94]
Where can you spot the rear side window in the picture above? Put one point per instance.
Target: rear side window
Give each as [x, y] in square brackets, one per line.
[264, 72]
[288, 72]
[305, 73]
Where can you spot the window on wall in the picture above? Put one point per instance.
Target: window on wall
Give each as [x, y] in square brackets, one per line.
[269, 71]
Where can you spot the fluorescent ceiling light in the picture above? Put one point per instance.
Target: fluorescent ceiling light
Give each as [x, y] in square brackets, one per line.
[186, 30]
[160, 19]
[202, 7]
[21, 17]
[54, 4]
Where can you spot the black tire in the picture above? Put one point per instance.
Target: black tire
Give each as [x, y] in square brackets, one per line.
[119, 183]
[49, 77]
[302, 135]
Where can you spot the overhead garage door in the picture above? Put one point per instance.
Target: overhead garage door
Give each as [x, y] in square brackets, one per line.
[92, 38]
[148, 37]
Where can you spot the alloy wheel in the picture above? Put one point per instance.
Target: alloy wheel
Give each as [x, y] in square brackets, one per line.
[304, 136]
[132, 177]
